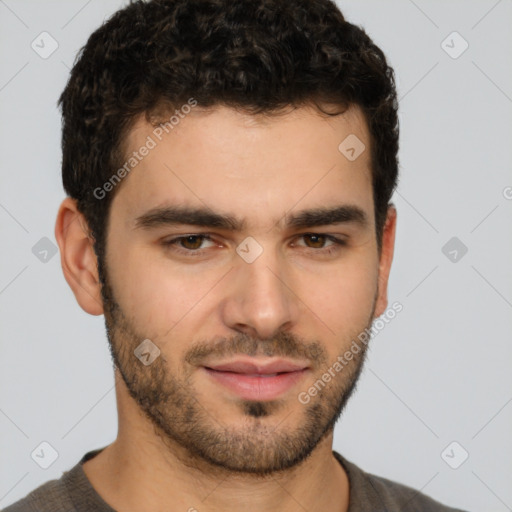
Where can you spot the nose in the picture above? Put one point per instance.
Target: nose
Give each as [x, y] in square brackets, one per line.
[260, 299]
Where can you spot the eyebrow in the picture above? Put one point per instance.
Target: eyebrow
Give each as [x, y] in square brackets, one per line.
[205, 217]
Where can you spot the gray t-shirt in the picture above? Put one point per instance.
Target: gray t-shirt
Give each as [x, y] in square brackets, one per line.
[73, 492]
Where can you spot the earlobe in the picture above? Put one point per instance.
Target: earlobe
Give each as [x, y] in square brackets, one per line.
[77, 256]
[386, 258]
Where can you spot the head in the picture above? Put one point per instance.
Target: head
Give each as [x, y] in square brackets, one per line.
[220, 215]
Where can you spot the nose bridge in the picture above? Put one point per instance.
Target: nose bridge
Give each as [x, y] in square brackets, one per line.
[262, 300]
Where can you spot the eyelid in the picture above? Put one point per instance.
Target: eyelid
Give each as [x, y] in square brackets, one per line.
[176, 239]
[336, 239]
[337, 243]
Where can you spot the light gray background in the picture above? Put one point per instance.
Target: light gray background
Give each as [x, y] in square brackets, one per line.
[438, 373]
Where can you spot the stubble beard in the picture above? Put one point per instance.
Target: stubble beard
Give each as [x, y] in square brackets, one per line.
[256, 445]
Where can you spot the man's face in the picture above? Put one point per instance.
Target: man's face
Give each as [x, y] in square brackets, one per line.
[221, 304]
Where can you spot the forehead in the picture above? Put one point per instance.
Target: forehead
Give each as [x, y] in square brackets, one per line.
[257, 167]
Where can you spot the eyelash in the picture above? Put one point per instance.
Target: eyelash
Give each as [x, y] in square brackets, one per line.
[338, 242]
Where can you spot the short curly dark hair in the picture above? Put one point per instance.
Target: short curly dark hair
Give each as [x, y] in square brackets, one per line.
[256, 55]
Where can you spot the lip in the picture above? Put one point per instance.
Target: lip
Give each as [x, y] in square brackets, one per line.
[257, 380]
[258, 367]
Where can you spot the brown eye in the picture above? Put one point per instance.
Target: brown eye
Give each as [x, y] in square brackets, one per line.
[188, 244]
[192, 242]
[316, 243]
[317, 240]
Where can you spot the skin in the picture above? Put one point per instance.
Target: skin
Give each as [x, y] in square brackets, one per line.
[295, 301]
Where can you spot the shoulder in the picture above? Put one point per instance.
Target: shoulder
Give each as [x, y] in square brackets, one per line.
[396, 496]
[69, 493]
[48, 497]
[367, 490]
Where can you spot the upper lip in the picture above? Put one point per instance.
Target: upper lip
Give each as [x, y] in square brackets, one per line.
[261, 368]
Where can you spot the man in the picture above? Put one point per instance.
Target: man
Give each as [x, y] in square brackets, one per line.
[229, 168]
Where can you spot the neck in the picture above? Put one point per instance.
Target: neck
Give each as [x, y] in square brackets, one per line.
[142, 471]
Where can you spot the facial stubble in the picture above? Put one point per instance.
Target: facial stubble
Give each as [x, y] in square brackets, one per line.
[256, 446]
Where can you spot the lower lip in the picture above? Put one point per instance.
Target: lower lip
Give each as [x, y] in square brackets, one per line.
[255, 387]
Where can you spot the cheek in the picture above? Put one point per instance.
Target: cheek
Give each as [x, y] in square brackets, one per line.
[155, 292]
[160, 296]
[344, 299]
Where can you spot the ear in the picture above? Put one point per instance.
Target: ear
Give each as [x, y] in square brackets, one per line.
[77, 257]
[386, 257]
